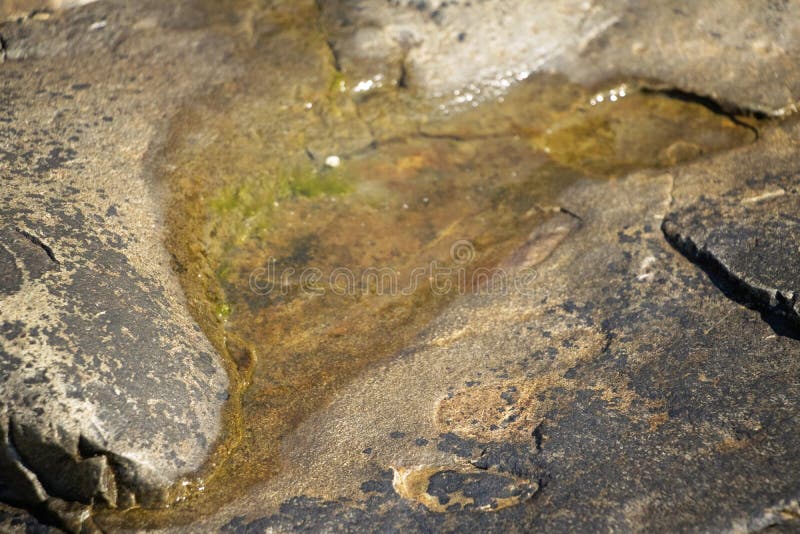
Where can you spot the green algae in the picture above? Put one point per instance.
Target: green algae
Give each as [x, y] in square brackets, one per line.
[312, 183]
[248, 207]
[223, 311]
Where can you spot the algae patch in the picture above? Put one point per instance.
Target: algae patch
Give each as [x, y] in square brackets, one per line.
[248, 207]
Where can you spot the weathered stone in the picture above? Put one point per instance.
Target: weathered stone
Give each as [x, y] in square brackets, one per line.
[452, 488]
[15, 521]
[741, 54]
[109, 392]
[748, 241]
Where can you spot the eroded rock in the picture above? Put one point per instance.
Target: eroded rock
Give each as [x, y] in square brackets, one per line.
[747, 238]
[677, 415]
[644, 398]
[109, 392]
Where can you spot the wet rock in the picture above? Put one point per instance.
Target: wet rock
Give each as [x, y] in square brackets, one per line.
[621, 390]
[14, 521]
[740, 54]
[109, 392]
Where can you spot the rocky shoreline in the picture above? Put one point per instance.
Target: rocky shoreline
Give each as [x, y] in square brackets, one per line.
[650, 376]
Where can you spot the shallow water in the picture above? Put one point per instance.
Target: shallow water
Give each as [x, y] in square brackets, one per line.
[304, 273]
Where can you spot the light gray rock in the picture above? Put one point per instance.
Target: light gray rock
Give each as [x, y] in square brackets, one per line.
[109, 391]
[741, 54]
[16, 9]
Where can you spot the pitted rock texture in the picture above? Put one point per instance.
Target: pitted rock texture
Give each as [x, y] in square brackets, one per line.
[452, 488]
[14, 521]
[742, 54]
[109, 391]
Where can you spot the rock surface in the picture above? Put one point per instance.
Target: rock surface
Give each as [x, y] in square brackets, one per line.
[748, 238]
[109, 392]
[621, 390]
[20, 9]
[15, 521]
[741, 54]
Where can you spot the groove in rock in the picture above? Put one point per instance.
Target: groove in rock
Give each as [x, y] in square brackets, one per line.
[775, 306]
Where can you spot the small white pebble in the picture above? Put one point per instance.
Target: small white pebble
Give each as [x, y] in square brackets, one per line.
[405, 206]
[333, 161]
[98, 25]
[309, 105]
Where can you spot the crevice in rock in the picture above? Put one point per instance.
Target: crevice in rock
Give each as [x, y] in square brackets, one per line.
[421, 134]
[402, 79]
[109, 491]
[538, 437]
[571, 213]
[776, 307]
[112, 489]
[39, 243]
[337, 65]
[734, 113]
[2, 49]
[17, 458]
[44, 507]
[320, 5]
